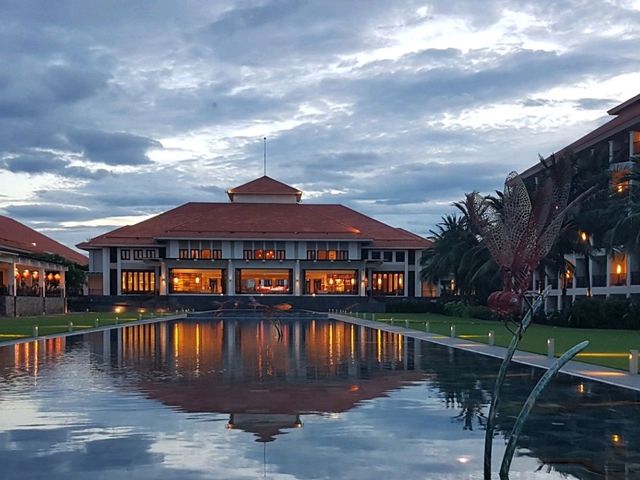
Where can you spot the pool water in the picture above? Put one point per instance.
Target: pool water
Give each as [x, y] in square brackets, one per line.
[233, 399]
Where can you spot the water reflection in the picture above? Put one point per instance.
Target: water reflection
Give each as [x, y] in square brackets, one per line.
[154, 399]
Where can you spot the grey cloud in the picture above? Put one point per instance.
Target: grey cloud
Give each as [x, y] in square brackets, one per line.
[38, 163]
[114, 148]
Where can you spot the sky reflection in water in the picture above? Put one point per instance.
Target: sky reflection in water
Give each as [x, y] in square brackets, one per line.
[226, 399]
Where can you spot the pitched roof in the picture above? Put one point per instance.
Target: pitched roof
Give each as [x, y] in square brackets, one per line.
[260, 221]
[627, 116]
[264, 186]
[17, 237]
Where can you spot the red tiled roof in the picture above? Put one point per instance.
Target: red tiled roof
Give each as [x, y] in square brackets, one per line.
[627, 115]
[264, 186]
[260, 221]
[17, 237]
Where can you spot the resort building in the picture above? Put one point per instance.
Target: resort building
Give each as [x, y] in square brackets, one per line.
[30, 282]
[617, 145]
[264, 241]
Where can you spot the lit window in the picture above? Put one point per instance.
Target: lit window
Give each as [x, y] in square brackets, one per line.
[138, 282]
[195, 253]
[125, 254]
[206, 253]
[331, 282]
[137, 254]
[183, 253]
[388, 283]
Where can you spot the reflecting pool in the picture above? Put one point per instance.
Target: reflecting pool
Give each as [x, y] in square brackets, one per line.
[233, 399]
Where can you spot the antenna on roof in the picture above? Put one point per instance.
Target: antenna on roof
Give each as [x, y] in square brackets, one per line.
[264, 139]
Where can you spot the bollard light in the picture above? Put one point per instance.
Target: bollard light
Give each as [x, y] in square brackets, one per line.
[427, 327]
[551, 347]
[633, 362]
[71, 326]
[406, 323]
[97, 322]
[492, 338]
[117, 320]
[453, 331]
[35, 331]
[391, 320]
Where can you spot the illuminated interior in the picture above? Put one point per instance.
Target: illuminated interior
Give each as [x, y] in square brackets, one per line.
[135, 281]
[618, 270]
[196, 281]
[620, 181]
[331, 282]
[263, 281]
[391, 283]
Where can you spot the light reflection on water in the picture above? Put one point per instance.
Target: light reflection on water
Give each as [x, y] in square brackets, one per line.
[229, 400]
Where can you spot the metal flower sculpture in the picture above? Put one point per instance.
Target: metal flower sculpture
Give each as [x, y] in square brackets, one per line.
[519, 231]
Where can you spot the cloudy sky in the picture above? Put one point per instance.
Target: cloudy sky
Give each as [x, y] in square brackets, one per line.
[115, 110]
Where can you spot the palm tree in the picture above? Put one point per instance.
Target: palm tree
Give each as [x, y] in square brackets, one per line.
[457, 253]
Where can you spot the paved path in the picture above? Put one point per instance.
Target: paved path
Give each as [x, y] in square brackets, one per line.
[587, 371]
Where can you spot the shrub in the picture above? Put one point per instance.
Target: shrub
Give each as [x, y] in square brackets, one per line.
[480, 311]
[415, 306]
[455, 309]
[611, 313]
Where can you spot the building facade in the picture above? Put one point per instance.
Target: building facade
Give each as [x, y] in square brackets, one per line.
[30, 284]
[603, 274]
[264, 241]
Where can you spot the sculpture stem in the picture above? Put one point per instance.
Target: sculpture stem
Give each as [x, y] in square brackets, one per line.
[502, 373]
[528, 405]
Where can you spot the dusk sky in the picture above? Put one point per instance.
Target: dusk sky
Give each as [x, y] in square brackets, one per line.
[112, 111]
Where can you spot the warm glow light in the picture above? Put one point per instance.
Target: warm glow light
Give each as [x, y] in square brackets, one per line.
[57, 276]
[581, 388]
[118, 310]
[175, 280]
[50, 277]
[615, 438]
[198, 280]
[618, 269]
[35, 274]
[584, 236]
[25, 274]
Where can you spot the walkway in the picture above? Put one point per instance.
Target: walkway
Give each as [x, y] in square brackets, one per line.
[587, 371]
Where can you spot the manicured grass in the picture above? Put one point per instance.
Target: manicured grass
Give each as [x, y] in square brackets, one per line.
[606, 347]
[21, 327]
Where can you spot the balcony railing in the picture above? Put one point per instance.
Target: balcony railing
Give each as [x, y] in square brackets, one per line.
[618, 279]
[635, 278]
[599, 281]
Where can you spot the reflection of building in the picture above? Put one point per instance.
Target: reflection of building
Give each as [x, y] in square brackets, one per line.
[240, 367]
[613, 146]
[264, 241]
[29, 283]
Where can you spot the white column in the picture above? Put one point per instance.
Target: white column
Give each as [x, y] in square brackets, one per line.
[119, 273]
[231, 275]
[405, 280]
[361, 273]
[63, 284]
[164, 278]
[41, 280]
[609, 262]
[297, 290]
[106, 271]
[12, 279]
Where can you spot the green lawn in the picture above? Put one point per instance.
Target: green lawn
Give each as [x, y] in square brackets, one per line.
[606, 347]
[21, 327]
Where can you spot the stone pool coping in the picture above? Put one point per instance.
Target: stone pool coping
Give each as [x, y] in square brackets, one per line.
[597, 373]
[83, 331]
